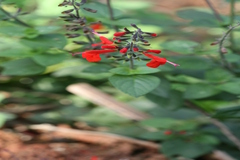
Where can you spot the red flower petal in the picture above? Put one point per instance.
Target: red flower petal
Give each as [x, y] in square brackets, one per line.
[156, 61]
[96, 44]
[96, 26]
[154, 34]
[99, 51]
[124, 50]
[119, 34]
[135, 49]
[91, 57]
[108, 47]
[105, 40]
[154, 51]
[168, 132]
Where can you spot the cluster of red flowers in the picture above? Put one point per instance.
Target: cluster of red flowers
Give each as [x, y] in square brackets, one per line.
[121, 43]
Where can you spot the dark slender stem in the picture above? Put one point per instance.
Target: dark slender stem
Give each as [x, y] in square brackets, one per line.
[232, 17]
[215, 12]
[15, 18]
[222, 127]
[222, 39]
[111, 14]
[76, 9]
[131, 56]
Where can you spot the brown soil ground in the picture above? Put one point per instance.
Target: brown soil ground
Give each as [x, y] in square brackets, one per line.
[12, 147]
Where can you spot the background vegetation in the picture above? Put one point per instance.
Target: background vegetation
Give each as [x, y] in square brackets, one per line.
[194, 110]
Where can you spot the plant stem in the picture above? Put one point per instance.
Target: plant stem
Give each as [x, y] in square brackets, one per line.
[131, 58]
[89, 39]
[222, 39]
[222, 127]
[15, 18]
[232, 17]
[111, 14]
[215, 12]
[78, 16]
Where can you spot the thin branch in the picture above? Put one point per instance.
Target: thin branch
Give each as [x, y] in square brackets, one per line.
[232, 17]
[220, 49]
[222, 127]
[111, 14]
[15, 18]
[215, 12]
[131, 58]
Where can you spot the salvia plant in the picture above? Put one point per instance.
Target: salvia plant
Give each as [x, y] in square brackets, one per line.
[130, 44]
[196, 91]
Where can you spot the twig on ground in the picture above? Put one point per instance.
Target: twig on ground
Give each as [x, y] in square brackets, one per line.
[92, 136]
[100, 98]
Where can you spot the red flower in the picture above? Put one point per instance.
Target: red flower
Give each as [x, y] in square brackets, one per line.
[96, 26]
[135, 49]
[94, 55]
[154, 51]
[117, 34]
[103, 39]
[124, 50]
[157, 61]
[154, 34]
[168, 132]
[108, 47]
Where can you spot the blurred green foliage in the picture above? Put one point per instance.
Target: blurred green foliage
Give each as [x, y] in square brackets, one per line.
[36, 68]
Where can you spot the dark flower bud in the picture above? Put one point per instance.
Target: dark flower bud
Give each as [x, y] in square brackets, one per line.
[90, 10]
[83, 2]
[127, 30]
[67, 11]
[80, 42]
[214, 43]
[72, 35]
[134, 25]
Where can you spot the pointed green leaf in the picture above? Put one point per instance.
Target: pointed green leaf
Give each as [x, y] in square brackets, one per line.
[135, 85]
[138, 70]
[22, 67]
[197, 91]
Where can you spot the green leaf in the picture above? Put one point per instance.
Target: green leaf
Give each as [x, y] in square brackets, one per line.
[44, 42]
[231, 87]
[193, 63]
[163, 90]
[12, 48]
[206, 139]
[164, 123]
[135, 85]
[199, 17]
[184, 79]
[218, 75]
[49, 59]
[180, 46]
[197, 91]
[184, 148]
[97, 68]
[22, 67]
[129, 71]
[31, 33]
[153, 136]
[12, 29]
